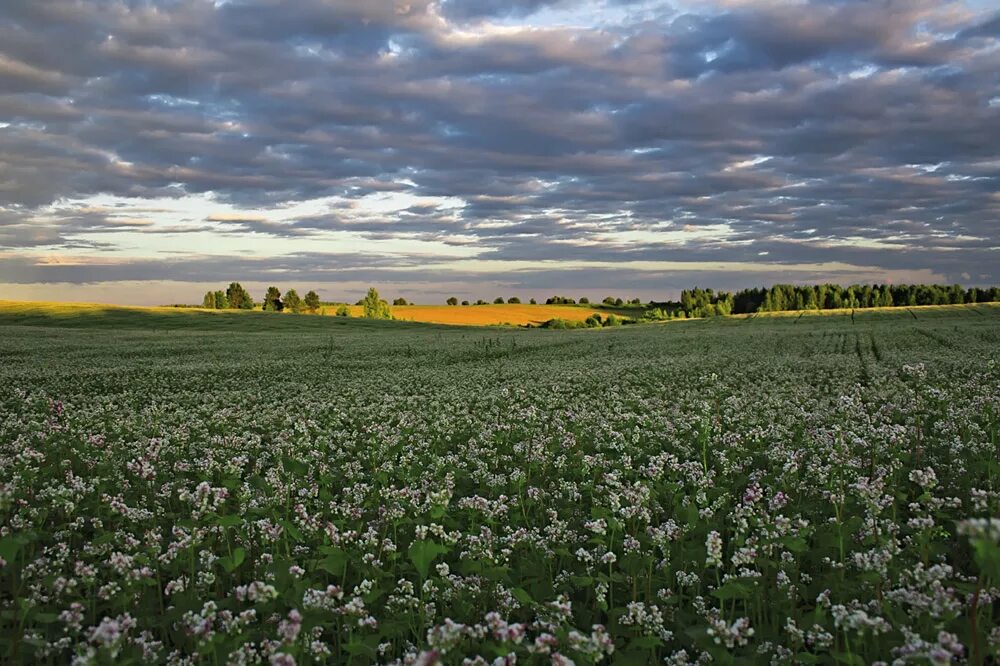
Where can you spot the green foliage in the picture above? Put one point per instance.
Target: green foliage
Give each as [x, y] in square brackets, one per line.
[343, 310]
[374, 306]
[514, 300]
[238, 297]
[498, 300]
[452, 301]
[399, 301]
[209, 301]
[422, 553]
[312, 301]
[473, 493]
[272, 300]
[293, 302]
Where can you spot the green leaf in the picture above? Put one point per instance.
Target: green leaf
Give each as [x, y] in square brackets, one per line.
[632, 657]
[10, 545]
[294, 466]
[732, 590]
[334, 562]
[422, 553]
[231, 562]
[523, 596]
[228, 521]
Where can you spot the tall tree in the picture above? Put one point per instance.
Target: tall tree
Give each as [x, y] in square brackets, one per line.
[209, 301]
[272, 300]
[312, 301]
[238, 297]
[221, 302]
[293, 301]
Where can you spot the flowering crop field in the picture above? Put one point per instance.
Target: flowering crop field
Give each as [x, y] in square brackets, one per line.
[812, 490]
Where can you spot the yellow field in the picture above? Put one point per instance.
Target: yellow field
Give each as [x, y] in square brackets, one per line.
[486, 315]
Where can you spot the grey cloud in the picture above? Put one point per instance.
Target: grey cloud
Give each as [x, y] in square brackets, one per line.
[878, 119]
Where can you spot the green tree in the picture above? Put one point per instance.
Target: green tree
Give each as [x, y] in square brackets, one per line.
[221, 301]
[514, 300]
[343, 310]
[584, 301]
[272, 300]
[209, 301]
[465, 302]
[312, 301]
[498, 300]
[452, 301]
[293, 301]
[374, 307]
[238, 297]
[533, 302]
[399, 301]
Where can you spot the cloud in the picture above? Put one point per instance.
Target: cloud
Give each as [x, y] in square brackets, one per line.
[785, 132]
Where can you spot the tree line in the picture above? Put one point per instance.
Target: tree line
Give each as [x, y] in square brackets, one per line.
[707, 303]
[696, 302]
[235, 297]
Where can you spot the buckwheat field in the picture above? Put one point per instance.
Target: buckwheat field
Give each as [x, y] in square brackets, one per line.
[813, 490]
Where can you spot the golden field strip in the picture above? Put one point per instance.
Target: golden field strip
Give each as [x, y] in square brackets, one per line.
[489, 315]
[85, 314]
[454, 315]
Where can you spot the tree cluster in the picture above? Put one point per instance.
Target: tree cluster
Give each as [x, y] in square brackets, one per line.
[235, 297]
[706, 303]
[593, 321]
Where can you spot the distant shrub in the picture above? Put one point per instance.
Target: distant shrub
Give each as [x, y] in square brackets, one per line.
[498, 300]
[514, 300]
[584, 301]
[613, 320]
[452, 301]
[399, 301]
[343, 311]
[465, 302]
[374, 306]
[657, 314]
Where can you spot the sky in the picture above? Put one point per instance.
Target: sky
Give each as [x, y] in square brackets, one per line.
[151, 150]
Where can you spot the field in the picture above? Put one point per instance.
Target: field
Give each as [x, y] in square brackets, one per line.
[232, 488]
[516, 314]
